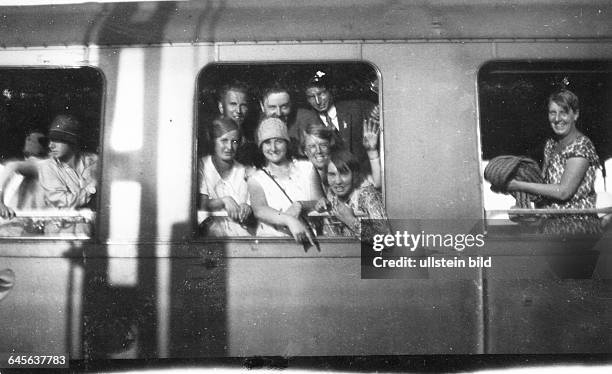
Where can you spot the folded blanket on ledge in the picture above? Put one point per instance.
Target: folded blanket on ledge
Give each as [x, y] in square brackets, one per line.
[503, 169]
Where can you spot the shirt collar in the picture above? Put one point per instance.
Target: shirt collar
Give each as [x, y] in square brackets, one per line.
[332, 111]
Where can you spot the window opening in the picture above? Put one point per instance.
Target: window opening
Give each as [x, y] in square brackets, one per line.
[284, 124]
[516, 118]
[49, 139]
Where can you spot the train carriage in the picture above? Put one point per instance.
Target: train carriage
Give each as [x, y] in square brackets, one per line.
[144, 283]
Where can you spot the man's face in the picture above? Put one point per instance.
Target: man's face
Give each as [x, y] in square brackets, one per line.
[235, 106]
[277, 105]
[319, 98]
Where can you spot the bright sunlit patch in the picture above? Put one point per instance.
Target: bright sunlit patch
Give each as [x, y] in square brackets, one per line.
[124, 225]
[174, 145]
[495, 201]
[128, 118]
[608, 179]
[122, 271]
[124, 210]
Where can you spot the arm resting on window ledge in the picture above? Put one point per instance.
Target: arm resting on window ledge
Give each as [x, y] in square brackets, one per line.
[575, 171]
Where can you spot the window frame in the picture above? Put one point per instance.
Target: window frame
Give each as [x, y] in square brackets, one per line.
[547, 67]
[196, 237]
[94, 237]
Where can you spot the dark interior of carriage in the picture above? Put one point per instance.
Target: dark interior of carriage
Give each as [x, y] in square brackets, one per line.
[513, 104]
[349, 81]
[31, 98]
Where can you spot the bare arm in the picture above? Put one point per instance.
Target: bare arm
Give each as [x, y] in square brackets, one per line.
[237, 212]
[26, 168]
[269, 215]
[575, 170]
[206, 203]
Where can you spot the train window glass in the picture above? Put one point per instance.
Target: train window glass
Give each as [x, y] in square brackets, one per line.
[323, 106]
[514, 120]
[49, 137]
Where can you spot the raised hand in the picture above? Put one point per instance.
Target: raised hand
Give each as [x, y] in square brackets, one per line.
[371, 132]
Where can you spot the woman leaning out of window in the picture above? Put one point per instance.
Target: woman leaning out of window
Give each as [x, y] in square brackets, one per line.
[284, 188]
[570, 162]
[351, 197]
[223, 182]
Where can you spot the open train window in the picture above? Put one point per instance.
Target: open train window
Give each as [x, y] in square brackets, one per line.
[49, 137]
[243, 111]
[514, 120]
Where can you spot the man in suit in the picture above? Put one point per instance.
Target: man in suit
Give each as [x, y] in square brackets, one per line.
[345, 117]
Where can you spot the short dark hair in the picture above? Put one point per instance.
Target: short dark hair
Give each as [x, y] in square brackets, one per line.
[566, 99]
[345, 161]
[237, 86]
[275, 87]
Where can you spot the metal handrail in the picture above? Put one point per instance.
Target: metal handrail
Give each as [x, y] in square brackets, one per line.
[223, 213]
[56, 213]
[551, 211]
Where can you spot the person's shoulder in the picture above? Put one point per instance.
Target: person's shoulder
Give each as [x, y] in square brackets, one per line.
[305, 115]
[584, 140]
[369, 195]
[47, 162]
[369, 189]
[305, 112]
[47, 166]
[583, 147]
[89, 157]
[257, 175]
[205, 160]
[241, 169]
[303, 165]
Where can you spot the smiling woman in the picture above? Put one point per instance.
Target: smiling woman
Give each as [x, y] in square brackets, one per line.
[284, 189]
[570, 163]
[321, 107]
[222, 182]
[565, 137]
[352, 197]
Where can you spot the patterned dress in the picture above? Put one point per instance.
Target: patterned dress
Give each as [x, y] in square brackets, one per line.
[366, 202]
[584, 197]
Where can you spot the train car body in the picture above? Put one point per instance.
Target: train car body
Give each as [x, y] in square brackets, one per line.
[146, 286]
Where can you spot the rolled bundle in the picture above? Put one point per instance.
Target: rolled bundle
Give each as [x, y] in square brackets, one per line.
[502, 169]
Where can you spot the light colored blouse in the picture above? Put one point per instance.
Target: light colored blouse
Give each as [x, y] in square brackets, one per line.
[66, 187]
[298, 185]
[216, 187]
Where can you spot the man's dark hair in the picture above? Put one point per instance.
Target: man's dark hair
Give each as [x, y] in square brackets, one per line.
[276, 87]
[237, 86]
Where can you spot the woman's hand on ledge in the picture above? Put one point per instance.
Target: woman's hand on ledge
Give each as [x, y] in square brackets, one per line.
[299, 230]
[231, 207]
[295, 209]
[244, 212]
